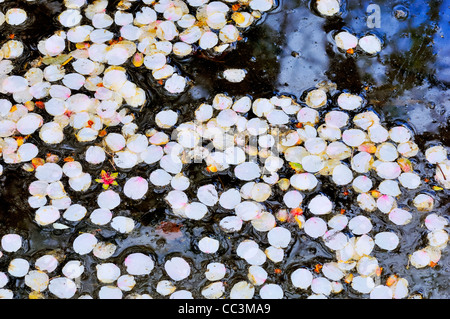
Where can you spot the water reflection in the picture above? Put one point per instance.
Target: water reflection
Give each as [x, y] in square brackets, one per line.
[407, 82]
[290, 52]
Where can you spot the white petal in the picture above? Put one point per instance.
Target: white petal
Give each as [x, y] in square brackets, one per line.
[208, 245]
[46, 215]
[360, 225]
[215, 271]
[230, 198]
[108, 199]
[63, 288]
[135, 187]
[207, 194]
[320, 205]
[123, 224]
[139, 264]
[107, 272]
[101, 216]
[381, 292]
[315, 227]
[301, 278]
[242, 290]
[321, 285]
[177, 268]
[328, 7]
[231, 224]
[247, 171]
[387, 240]
[11, 242]
[363, 284]
[279, 237]
[75, 212]
[370, 43]
[400, 216]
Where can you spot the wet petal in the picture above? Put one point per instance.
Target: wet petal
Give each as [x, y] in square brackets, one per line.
[139, 264]
[321, 285]
[328, 7]
[381, 292]
[207, 194]
[360, 225]
[135, 187]
[242, 290]
[208, 245]
[400, 216]
[63, 288]
[370, 44]
[387, 240]
[301, 278]
[271, 291]
[215, 271]
[279, 237]
[320, 205]
[315, 227]
[123, 224]
[107, 272]
[177, 268]
[11, 242]
[435, 222]
[363, 284]
[84, 243]
[108, 199]
[247, 171]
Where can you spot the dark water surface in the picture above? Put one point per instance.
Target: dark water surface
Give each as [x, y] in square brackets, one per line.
[289, 52]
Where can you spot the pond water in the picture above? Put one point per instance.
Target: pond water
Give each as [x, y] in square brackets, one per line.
[288, 52]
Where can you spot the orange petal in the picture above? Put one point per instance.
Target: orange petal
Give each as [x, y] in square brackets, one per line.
[20, 140]
[379, 271]
[37, 161]
[391, 280]
[405, 164]
[138, 59]
[375, 194]
[29, 105]
[317, 268]
[296, 211]
[348, 279]
[367, 147]
[299, 222]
